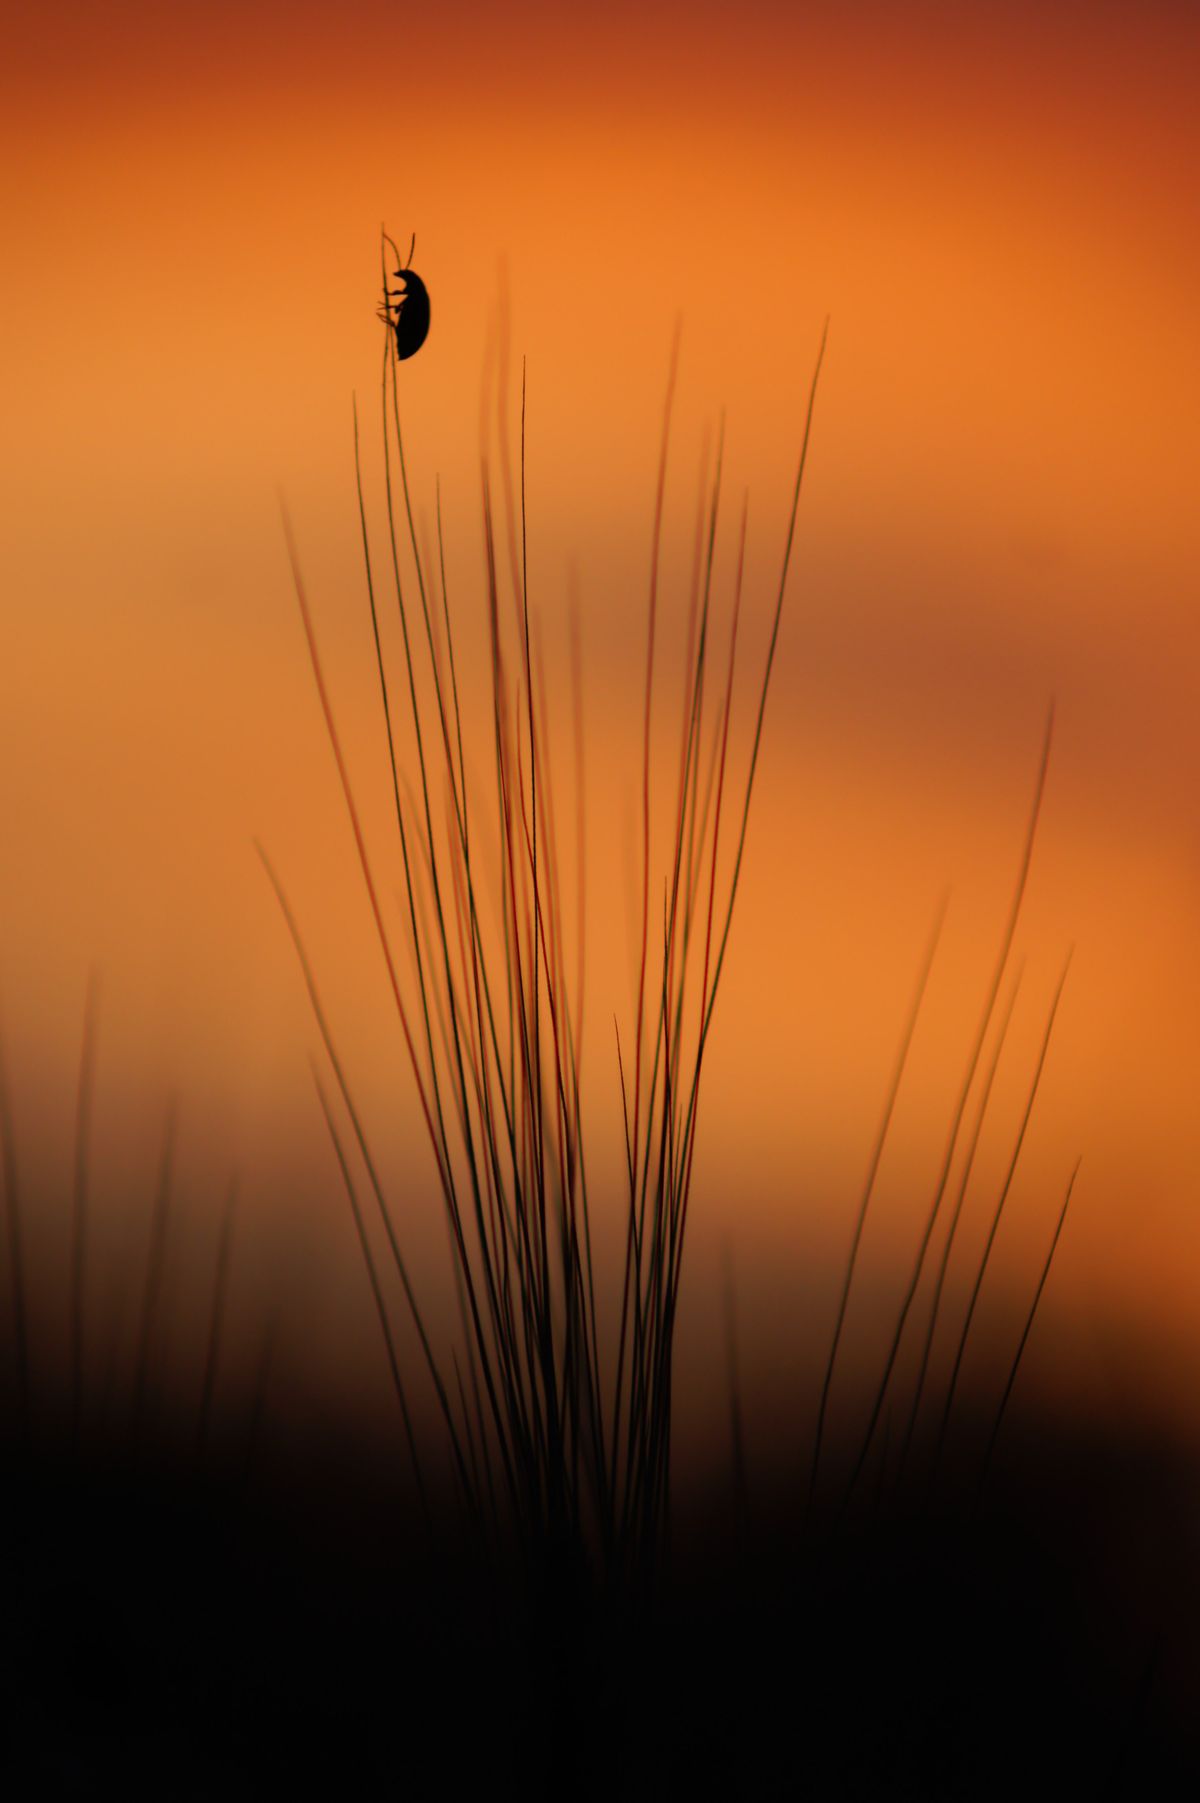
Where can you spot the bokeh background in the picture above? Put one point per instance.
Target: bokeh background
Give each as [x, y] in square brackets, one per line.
[995, 207]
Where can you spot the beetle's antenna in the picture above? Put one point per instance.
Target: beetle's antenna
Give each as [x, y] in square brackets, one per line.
[412, 247]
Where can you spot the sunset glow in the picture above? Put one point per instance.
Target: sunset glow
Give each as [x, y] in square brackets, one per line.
[997, 218]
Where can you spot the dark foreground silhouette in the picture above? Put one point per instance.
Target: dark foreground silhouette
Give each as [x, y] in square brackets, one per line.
[279, 1615]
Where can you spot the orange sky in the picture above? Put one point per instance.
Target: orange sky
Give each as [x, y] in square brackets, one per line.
[997, 213]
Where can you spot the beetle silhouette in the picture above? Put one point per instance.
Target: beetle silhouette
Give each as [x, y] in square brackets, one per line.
[410, 322]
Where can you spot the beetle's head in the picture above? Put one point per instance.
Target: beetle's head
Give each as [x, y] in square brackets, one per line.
[414, 287]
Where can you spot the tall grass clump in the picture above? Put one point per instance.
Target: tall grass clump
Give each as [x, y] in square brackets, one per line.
[557, 1405]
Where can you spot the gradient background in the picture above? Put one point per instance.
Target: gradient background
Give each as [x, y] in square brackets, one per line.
[996, 205]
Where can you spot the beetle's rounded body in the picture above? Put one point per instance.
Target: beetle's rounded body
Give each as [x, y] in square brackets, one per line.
[411, 320]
